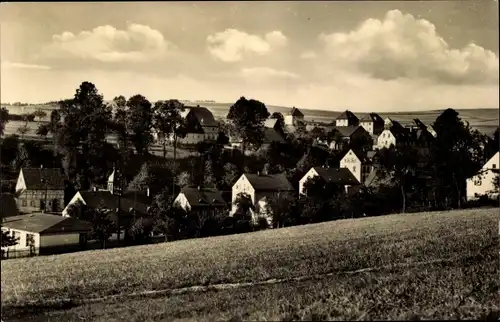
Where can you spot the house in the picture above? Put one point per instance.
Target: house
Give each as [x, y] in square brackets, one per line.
[8, 205]
[342, 176]
[200, 126]
[192, 199]
[259, 187]
[347, 118]
[393, 134]
[483, 182]
[372, 123]
[42, 233]
[294, 117]
[271, 134]
[359, 163]
[40, 189]
[347, 134]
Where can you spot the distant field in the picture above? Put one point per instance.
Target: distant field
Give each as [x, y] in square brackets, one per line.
[428, 265]
[484, 120]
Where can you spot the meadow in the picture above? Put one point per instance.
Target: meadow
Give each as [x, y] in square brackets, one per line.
[439, 265]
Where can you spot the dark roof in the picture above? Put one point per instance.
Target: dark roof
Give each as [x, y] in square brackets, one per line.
[204, 116]
[373, 117]
[374, 179]
[93, 199]
[204, 197]
[337, 175]
[269, 182]
[347, 131]
[295, 112]
[8, 206]
[33, 178]
[272, 135]
[46, 224]
[348, 115]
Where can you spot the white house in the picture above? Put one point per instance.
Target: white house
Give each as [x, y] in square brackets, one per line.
[331, 175]
[294, 117]
[347, 118]
[260, 187]
[482, 183]
[393, 134]
[358, 163]
[372, 123]
[191, 199]
[41, 233]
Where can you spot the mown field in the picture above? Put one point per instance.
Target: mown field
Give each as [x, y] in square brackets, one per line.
[428, 266]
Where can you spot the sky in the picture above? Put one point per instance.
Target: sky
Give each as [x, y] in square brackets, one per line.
[360, 55]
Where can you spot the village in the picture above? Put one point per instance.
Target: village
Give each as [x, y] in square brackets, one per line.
[280, 171]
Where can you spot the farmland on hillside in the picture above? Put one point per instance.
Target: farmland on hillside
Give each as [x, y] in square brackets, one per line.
[438, 265]
[484, 120]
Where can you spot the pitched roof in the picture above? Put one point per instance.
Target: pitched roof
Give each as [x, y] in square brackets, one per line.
[203, 115]
[8, 206]
[270, 123]
[54, 177]
[204, 197]
[348, 115]
[372, 117]
[295, 112]
[271, 135]
[269, 182]
[347, 131]
[337, 175]
[46, 223]
[93, 199]
[362, 155]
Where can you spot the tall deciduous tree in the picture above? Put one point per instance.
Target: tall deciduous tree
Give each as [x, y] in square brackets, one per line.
[140, 123]
[248, 118]
[40, 114]
[4, 118]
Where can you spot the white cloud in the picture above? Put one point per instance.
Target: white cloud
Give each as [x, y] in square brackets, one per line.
[231, 45]
[137, 43]
[308, 54]
[266, 72]
[401, 46]
[13, 65]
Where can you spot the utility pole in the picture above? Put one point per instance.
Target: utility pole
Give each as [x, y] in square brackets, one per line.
[45, 182]
[117, 191]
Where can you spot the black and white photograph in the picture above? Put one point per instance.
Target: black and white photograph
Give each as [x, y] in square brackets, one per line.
[250, 160]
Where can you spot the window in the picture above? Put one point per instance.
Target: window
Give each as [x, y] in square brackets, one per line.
[32, 203]
[25, 202]
[354, 168]
[477, 182]
[30, 240]
[494, 166]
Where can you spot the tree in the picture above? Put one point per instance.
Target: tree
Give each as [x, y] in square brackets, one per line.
[140, 123]
[40, 114]
[208, 175]
[22, 159]
[280, 118]
[23, 129]
[4, 119]
[243, 203]
[400, 165]
[456, 155]
[120, 126]
[8, 239]
[167, 120]
[283, 209]
[247, 117]
[230, 175]
[183, 179]
[43, 130]
[142, 180]
[10, 148]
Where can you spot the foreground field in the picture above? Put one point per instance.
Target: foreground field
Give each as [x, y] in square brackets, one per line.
[430, 265]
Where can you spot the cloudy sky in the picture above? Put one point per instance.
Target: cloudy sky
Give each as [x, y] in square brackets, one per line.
[364, 56]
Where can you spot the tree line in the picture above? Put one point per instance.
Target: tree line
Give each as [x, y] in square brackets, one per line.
[430, 177]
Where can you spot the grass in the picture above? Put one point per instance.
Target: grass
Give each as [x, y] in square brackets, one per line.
[460, 279]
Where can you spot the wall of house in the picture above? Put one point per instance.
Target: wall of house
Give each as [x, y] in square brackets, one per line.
[182, 202]
[483, 184]
[385, 139]
[242, 185]
[30, 200]
[368, 126]
[73, 200]
[289, 120]
[342, 123]
[309, 175]
[59, 240]
[351, 162]
[22, 248]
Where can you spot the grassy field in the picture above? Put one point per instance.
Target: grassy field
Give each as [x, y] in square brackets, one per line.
[427, 265]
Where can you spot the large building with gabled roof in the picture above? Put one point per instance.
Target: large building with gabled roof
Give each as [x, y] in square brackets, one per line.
[347, 118]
